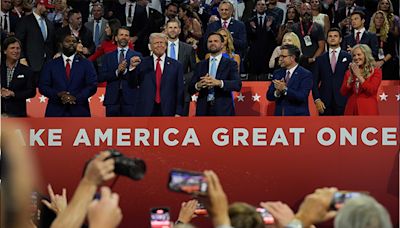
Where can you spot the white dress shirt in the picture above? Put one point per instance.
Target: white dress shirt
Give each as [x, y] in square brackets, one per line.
[176, 42]
[70, 58]
[162, 61]
[362, 30]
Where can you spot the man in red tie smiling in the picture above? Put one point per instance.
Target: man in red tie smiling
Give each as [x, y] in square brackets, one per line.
[160, 80]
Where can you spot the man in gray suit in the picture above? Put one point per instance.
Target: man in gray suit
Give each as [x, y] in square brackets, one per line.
[98, 24]
[182, 52]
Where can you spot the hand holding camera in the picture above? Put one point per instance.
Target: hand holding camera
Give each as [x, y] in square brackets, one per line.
[100, 169]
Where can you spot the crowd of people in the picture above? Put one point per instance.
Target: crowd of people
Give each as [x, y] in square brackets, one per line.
[343, 49]
[19, 209]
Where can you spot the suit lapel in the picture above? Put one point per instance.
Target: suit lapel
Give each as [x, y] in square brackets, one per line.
[165, 72]
[293, 77]
[221, 67]
[74, 67]
[181, 53]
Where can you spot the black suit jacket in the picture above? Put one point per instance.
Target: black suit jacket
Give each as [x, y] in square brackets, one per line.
[186, 56]
[34, 48]
[22, 84]
[367, 38]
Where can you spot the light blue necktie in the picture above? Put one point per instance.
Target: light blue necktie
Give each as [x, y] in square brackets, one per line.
[97, 34]
[42, 26]
[213, 73]
[172, 53]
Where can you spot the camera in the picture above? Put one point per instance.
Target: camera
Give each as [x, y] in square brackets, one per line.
[340, 197]
[133, 168]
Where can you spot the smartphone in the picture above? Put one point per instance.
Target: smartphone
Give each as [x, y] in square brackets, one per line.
[187, 182]
[200, 210]
[160, 218]
[267, 217]
[340, 197]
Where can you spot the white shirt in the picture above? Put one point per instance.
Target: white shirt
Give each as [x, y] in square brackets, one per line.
[2, 14]
[162, 61]
[176, 42]
[128, 4]
[362, 30]
[70, 58]
[38, 19]
[263, 18]
[337, 51]
[227, 22]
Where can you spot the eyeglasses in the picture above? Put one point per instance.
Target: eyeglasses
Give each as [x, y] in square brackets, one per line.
[283, 56]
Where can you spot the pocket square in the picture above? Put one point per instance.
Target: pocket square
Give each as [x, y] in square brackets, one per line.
[21, 76]
[344, 60]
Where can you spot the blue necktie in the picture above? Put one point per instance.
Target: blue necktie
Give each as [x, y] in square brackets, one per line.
[42, 26]
[172, 51]
[97, 34]
[213, 73]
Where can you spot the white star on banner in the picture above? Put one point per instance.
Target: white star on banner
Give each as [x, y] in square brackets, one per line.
[383, 96]
[42, 99]
[194, 97]
[398, 97]
[101, 98]
[89, 99]
[256, 97]
[28, 100]
[240, 97]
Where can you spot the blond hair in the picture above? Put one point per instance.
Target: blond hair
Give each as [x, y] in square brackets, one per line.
[229, 41]
[295, 39]
[384, 31]
[369, 62]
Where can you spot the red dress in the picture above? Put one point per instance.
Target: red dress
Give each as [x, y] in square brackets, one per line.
[363, 101]
[105, 47]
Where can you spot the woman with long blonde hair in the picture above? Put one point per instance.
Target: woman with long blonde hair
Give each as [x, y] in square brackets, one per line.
[361, 83]
[394, 20]
[387, 45]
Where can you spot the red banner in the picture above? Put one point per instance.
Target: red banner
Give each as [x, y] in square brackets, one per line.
[251, 101]
[257, 159]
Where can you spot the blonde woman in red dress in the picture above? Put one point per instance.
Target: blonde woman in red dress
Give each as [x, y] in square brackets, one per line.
[361, 83]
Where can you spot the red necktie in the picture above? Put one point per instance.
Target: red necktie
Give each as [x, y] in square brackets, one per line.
[158, 81]
[68, 69]
[287, 77]
[225, 24]
[358, 37]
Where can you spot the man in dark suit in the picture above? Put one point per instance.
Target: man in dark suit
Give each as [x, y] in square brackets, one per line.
[360, 35]
[16, 80]
[75, 27]
[98, 24]
[290, 85]
[262, 41]
[215, 79]
[182, 52]
[328, 80]
[146, 20]
[237, 28]
[68, 81]
[342, 17]
[160, 80]
[8, 20]
[120, 98]
[37, 36]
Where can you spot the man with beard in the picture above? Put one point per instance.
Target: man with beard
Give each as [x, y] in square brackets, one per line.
[37, 36]
[68, 81]
[120, 98]
[81, 32]
[171, 12]
[215, 79]
[311, 35]
[182, 52]
[160, 80]
[290, 85]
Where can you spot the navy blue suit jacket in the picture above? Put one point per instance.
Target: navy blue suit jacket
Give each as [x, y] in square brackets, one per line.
[238, 32]
[329, 89]
[295, 102]
[114, 82]
[227, 72]
[172, 88]
[82, 84]
[367, 38]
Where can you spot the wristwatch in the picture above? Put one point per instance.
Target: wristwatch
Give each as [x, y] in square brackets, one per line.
[295, 223]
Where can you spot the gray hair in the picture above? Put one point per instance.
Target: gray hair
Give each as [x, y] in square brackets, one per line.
[157, 35]
[362, 212]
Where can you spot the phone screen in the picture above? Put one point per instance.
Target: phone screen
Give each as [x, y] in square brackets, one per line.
[160, 218]
[201, 209]
[187, 182]
[339, 198]
[267, 217]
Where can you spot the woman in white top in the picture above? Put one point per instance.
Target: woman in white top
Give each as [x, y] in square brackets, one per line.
[288, 38]
[318, 17]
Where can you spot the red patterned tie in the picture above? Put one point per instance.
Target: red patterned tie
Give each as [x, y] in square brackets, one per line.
[68, 69]
[225, 24]
[358, 37]
[158, 81]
